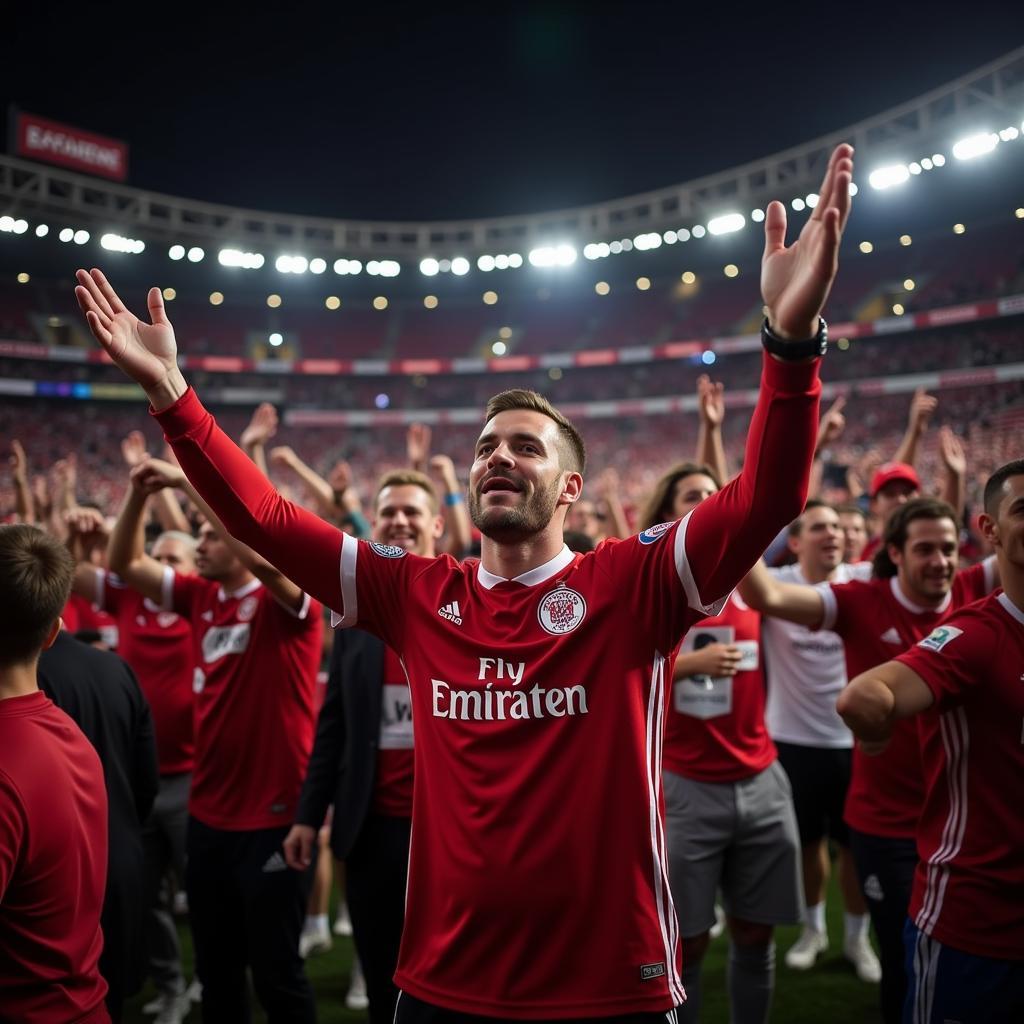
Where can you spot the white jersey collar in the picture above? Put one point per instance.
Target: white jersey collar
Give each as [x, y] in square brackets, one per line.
[540, 574]
[251, 587]
[917, 609]
[1011, 608]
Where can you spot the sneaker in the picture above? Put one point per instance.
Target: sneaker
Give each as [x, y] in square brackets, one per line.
[342, 923]
[719, 926]
[356, 998]
[802, 954]
[314, 941]
[168, 1008]
[859, 952]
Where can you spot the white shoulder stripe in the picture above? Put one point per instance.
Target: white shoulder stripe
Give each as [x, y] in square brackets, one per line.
[693, 598]
[347, 570]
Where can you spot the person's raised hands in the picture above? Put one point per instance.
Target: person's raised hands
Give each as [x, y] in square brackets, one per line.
[710, 401]
[417, 445]
[952, 452]
[832, 423]
[795, 281]
[154, 475]
[262, 427]
[282, 456]
[18, 460]
[922, 408]
[147, 352]
[133, 448]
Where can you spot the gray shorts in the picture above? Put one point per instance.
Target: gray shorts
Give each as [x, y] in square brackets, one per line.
[740, 837]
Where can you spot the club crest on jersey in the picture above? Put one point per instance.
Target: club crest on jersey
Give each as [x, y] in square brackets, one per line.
[247, 609]
[650, 535]
[939, 637]
[387, 550]
[561, 611]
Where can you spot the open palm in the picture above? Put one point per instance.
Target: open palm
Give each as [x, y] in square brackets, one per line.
[795, 281]
[146, 352]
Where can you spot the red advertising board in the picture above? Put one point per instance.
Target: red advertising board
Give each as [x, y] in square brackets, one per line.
[36, 138]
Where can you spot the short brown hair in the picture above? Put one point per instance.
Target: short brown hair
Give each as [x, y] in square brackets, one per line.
[572, 444]
[796, 527]
[409, 478]
[898, 527]
[658, 508]
[35, 582]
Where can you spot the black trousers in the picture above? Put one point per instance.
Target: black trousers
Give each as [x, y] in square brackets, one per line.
[885, 868]
[247, 909]
[376, 871]
[415, 1011]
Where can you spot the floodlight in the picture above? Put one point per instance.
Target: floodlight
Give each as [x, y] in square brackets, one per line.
[887, 177]
[428, 266]
[726, 224]
[276, 339]
[975, 145]
[195, 254]
[460, 266]
[486, 263]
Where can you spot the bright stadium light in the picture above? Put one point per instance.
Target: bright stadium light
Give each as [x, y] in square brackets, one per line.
[798, 204]
[757, 216]
[853, 188]
[887, 177]
[6, 223]
[1009, 134]
[428, 266]
[20, 226]
[726, 224]
[515, 260]
[501, 262]
[915, 168]
[67, 234]
[648, 240]
[670, 237]
[118, 243]
[683, 234]
[975, 145]
[563, 255]
[698, 231]
[42, 230]
[195, 254]
[276, 339]
[615, 248]
[499, 348]
[81, 236]
[176, 252]
[347, 266]
[317, 265]
[812, 199]
[237, 258]
[486, 263]
[460, 266]
[938, 159]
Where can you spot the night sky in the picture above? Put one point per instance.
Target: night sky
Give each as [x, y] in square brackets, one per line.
[401, 113]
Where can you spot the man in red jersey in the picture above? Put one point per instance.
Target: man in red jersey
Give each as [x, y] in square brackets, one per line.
[914, 587]
[158, 645]
[965, 684]
[728, 808]
[257, 650]
[539, 714]
[53, 807]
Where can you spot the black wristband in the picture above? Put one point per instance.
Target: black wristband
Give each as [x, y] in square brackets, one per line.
[792, 351]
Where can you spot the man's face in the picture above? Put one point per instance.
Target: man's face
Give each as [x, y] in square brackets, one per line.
[689, 492]
[582, 517]
[517, 480]
[214, 559]
[928, 561]
[404, 518]
[1005, 530]
[819, 544]
[891, 496]
[855, 535]
[172, 552]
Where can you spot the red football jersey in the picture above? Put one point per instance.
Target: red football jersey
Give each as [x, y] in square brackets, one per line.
[392, 790]
[969, 886]
[715, 729]
[158, 646]
[254, 691]
[877, 622]
[538, 885]
[53, 865]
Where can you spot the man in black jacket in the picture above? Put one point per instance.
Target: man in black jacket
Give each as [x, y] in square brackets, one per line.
[100, 693]
[362, 759]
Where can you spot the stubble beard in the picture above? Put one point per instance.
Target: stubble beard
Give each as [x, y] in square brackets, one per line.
[511, 525]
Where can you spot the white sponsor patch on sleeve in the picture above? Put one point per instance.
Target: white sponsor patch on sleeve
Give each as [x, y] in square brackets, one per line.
[939, 637]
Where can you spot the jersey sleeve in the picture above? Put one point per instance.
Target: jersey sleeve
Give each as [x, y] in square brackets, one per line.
[955, 656]
[839, 602]
[12, 832]
[111, 592]
[376, 581]
[729, 531]
[183, 593]
[300, 544]
[975, 582]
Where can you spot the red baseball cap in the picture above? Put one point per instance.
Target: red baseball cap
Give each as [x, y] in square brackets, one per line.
[894, 471]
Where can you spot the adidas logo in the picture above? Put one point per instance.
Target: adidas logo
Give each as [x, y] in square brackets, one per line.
[275, 863]
[890, 636]
[451, 612]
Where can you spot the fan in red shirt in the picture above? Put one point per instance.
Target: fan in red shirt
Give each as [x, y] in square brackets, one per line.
[257, 640]
[539, 714]
[964, 684]
[53, 807]
[914, 587]
[158, 646]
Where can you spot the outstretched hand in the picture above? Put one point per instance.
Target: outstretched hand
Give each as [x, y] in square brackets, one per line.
[795, 281]
[146, 352]
[262, 427]
[710, 400]
[832, 424]
[154, 475]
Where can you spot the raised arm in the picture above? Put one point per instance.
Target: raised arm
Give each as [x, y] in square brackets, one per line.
[922, 408]
[953, 488]
[86, 527]
[24, 506]
[286, 458]
[297, 542]
[711, 410]
[126, 552]
[608, 487]
[262, 427]
[830, 429]
[729, 531]
[790, 601]
[453, 507]
[167, 511]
